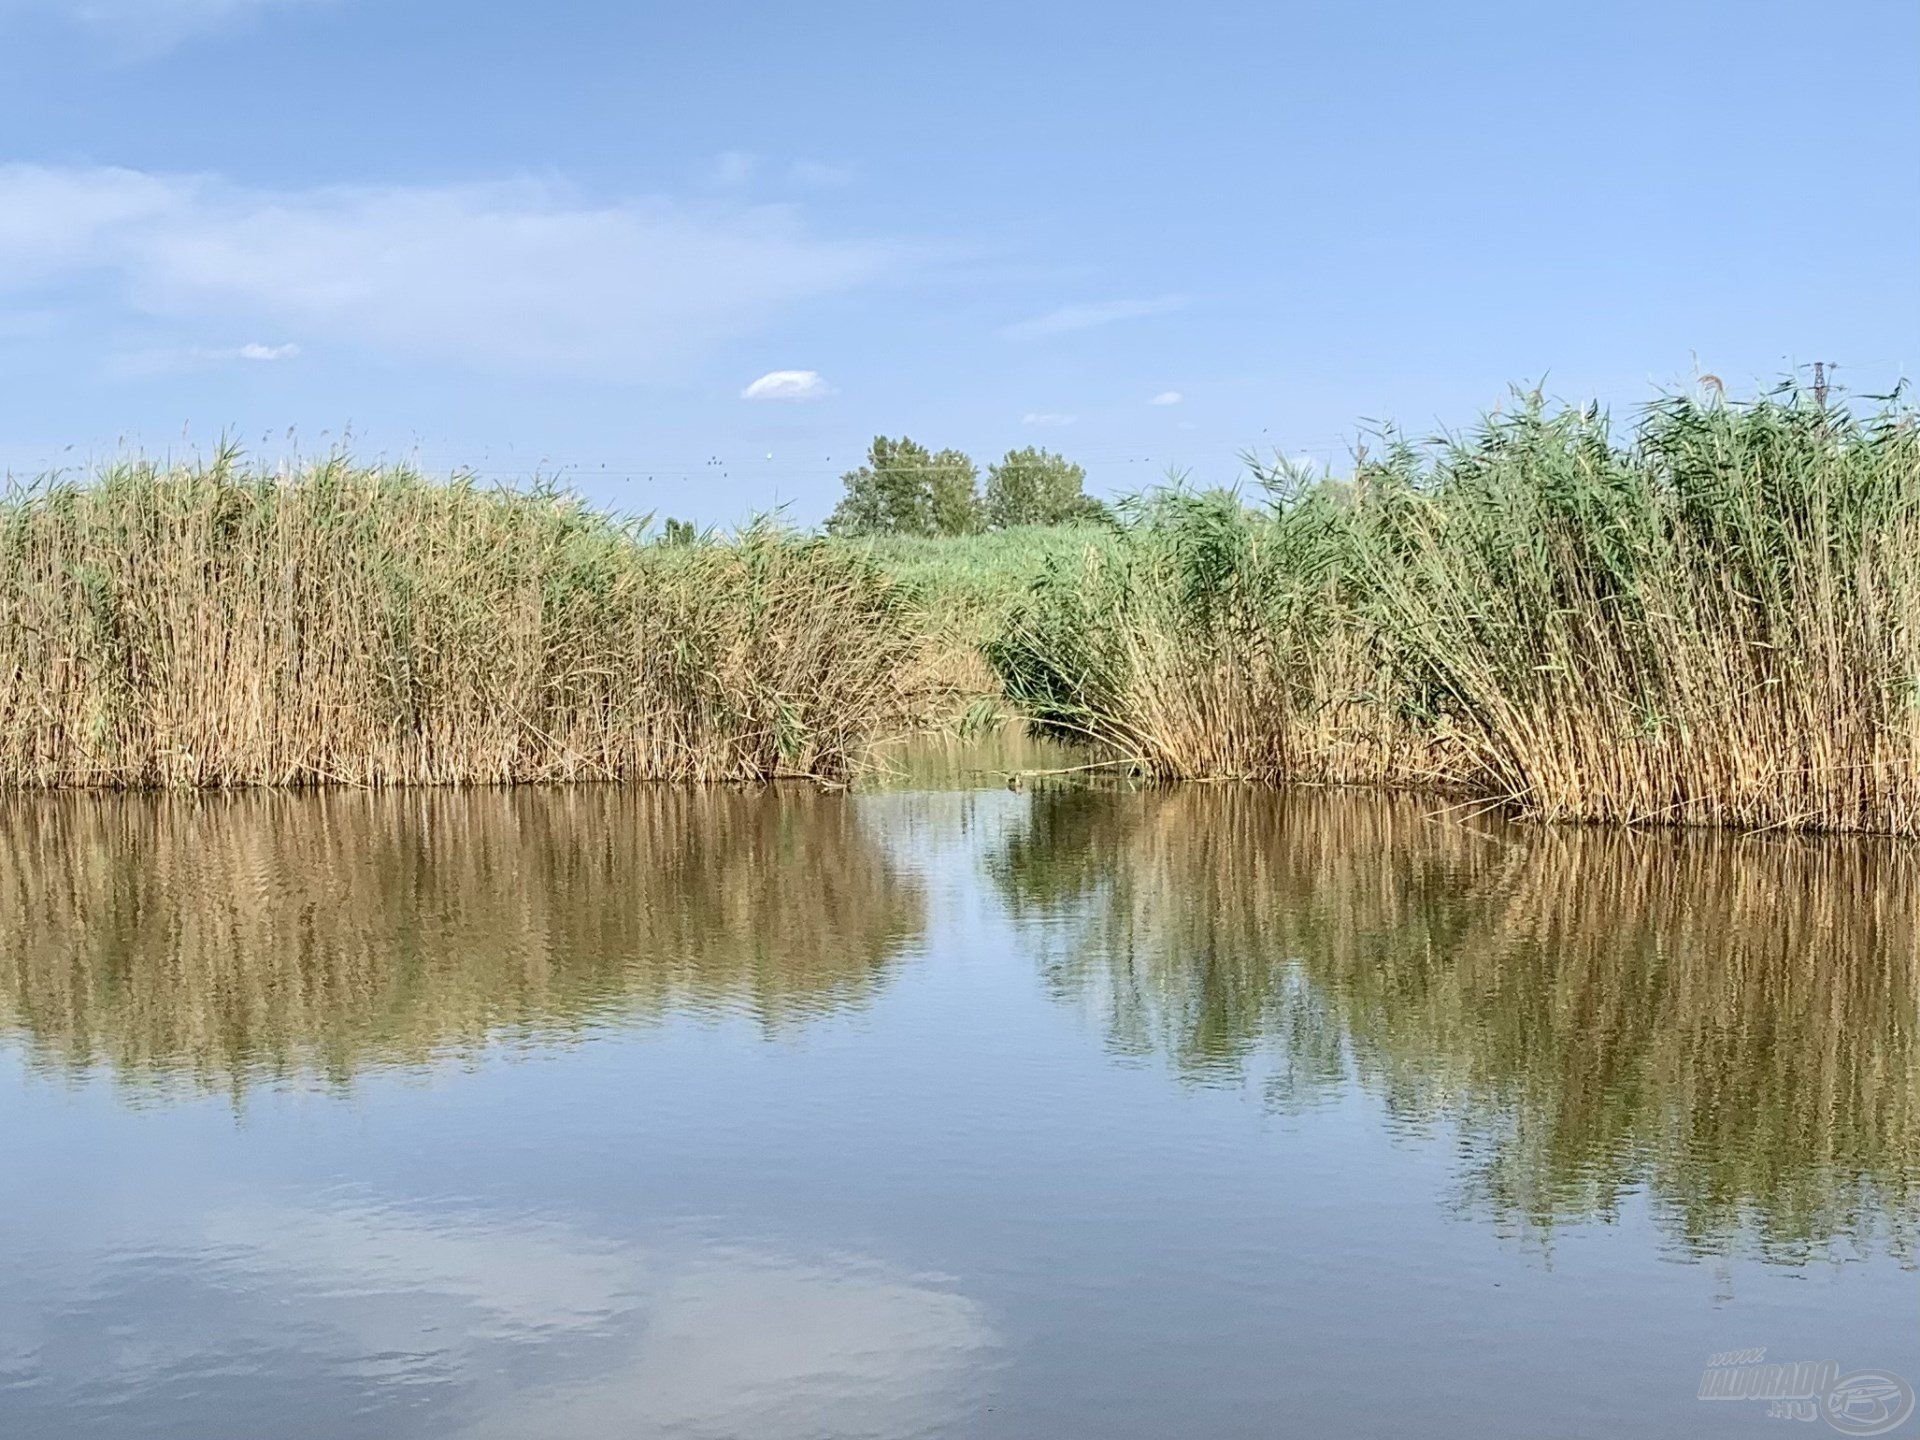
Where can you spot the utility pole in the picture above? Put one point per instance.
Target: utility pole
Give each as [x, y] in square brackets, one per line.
[1820, 383]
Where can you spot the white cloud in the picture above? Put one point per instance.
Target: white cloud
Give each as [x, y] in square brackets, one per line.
[1046, 417]
[788, 385]
[141, 28]
[141, 364]
[55, 220]
[516, 275]
[1167, 397]
[1070, 318]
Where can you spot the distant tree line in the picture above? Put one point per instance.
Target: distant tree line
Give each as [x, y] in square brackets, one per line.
[904, 489]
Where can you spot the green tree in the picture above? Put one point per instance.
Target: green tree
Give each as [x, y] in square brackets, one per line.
[905, 490]
[953, 495]
[1037, 487]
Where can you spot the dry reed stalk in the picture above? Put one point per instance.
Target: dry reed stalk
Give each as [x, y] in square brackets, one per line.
[212, 628]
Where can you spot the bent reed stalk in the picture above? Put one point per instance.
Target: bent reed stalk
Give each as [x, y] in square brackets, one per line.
[1716, 621]
[214, 626]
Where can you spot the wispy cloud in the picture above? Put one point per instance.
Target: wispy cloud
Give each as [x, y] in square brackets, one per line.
[1070, 318]
[788, 385]
[136, 29]
[255, 352]
[141, 364]
[516, 275]
[1167, 397]
[742, 1339]
[1046, 418]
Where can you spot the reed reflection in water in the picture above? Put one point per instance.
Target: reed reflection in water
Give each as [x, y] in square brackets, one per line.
[1726, 1024]
[227, 940]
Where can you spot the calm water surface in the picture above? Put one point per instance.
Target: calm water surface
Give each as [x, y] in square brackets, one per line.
[938, 1110]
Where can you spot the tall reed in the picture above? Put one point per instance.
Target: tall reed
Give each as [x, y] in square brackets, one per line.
[213, 626]
[1718, 622]
[1715, 620]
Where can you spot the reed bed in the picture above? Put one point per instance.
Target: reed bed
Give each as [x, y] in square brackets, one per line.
[215, 627]
[1713, 621]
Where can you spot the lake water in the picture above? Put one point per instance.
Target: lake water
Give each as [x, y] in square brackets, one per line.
[940, 1109]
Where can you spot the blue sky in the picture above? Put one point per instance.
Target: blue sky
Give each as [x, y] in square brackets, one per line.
[573, 236]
